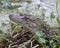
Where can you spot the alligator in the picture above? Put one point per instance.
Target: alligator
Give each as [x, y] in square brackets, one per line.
[31, 23]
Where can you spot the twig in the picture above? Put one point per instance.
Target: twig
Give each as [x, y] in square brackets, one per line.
[35, 46]
[32, 42]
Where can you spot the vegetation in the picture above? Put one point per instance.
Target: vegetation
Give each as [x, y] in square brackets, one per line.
[47, 37]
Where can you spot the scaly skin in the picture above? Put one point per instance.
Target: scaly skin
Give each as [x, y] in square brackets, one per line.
[30, 23]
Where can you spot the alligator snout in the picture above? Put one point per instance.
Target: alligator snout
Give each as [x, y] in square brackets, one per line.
[16, 18]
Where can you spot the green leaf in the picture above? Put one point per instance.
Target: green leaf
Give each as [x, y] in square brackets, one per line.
[17, 28]
[52, 16]
[51, 41]
[23, 46]
[13, 24]
[42, 40]
[57, 6]
[45, 47]
[1, 31]
[27, 42]
[58, 20]
[39, 34]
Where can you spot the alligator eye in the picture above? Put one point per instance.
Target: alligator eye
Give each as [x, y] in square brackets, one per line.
[27, 17]
[34, 25]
